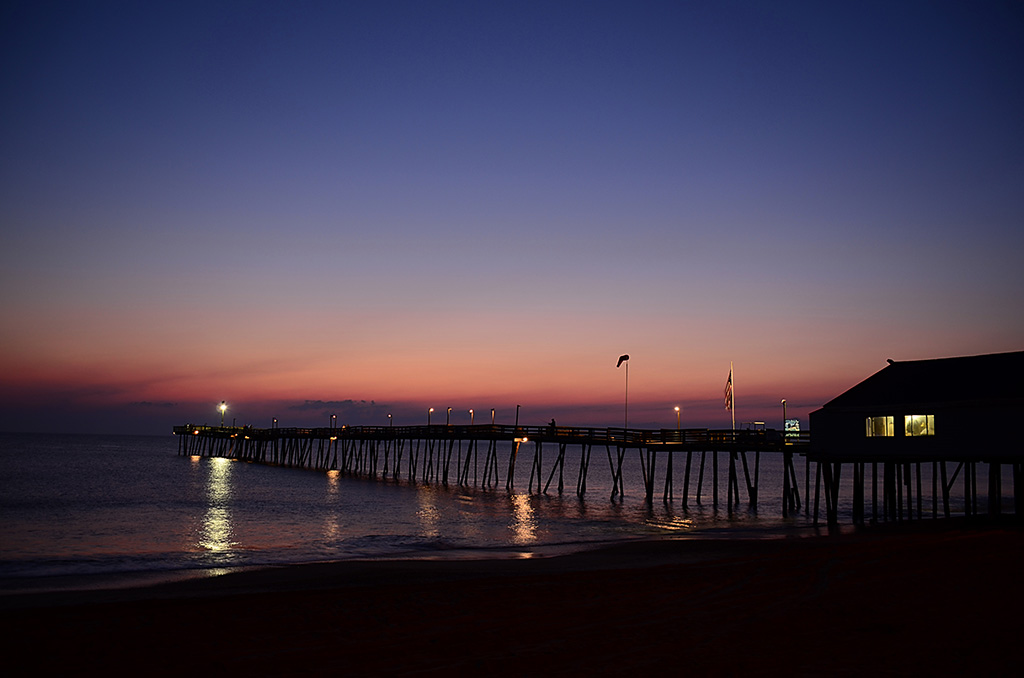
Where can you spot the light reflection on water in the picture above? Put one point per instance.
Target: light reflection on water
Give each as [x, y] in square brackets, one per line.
[332, 528]
[524, 523]
[217, 527]
[428, 514]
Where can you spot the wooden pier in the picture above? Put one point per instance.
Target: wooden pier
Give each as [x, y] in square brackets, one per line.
[899, 478]
[452, 454]
[445, 455]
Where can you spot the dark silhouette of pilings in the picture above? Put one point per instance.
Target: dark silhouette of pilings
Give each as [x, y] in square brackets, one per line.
[902, 490]
[470, 456]
[452, 454]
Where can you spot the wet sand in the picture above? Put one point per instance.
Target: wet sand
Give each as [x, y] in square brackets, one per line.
[932, 601]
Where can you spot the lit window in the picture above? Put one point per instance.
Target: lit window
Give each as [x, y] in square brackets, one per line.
[919, 425]
[880, 427]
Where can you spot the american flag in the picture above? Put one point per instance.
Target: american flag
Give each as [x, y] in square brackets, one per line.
[728, 391]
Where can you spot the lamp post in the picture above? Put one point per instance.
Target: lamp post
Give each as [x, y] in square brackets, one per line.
[273, 424]
[391, 422]
[429, 412]
[448, 418]
[471, 417]
[492, 416]
[334, 419]
[783, 416]
[222, 407]
[677, 417]
[624, 358]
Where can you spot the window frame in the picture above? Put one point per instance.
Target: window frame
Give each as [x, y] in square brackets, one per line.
[910, 421]
[888, 422]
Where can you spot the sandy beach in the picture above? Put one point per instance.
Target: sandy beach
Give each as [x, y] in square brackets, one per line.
[939, 601]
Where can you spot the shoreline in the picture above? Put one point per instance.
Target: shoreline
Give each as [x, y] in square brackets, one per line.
[874, 600]
[27, 591]
[645, 551]
[72, 584]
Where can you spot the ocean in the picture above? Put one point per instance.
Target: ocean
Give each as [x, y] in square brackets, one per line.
[84, 511]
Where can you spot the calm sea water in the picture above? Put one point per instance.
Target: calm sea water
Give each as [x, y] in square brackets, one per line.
[83, 511]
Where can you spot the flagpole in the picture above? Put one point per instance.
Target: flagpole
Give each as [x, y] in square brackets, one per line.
[732, 395]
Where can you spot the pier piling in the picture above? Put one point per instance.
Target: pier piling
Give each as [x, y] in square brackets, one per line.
[426, 454]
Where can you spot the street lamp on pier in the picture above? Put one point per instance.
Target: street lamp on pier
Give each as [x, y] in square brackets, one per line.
[429, 412]
[223, 408]
[677, 417]
[471, 417]
[624, 358]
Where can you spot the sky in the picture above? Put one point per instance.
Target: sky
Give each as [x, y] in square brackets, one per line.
[363, 208]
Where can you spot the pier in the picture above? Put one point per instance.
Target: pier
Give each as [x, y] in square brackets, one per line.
[487, 456]
[447, 454]
[902, 491]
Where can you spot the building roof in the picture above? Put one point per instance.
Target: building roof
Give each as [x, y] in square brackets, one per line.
[996, 377]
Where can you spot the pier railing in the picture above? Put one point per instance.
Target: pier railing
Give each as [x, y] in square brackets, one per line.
[702, 438]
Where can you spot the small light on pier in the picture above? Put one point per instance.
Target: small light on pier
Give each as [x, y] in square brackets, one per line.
[223, 408]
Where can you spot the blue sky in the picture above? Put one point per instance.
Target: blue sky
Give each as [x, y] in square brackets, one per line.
[484, 204]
